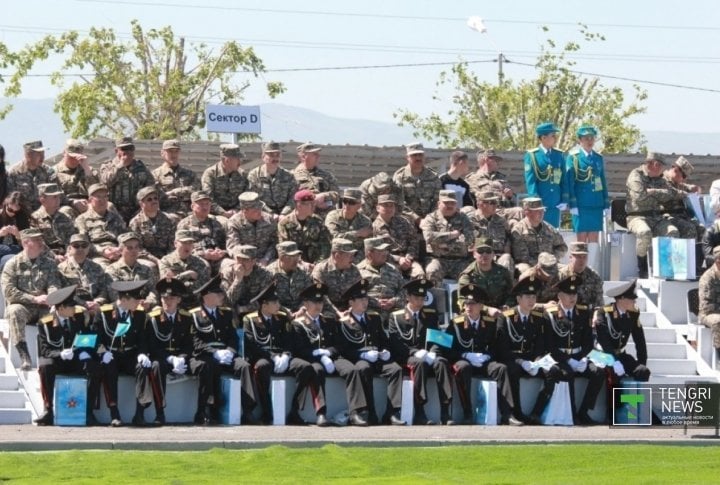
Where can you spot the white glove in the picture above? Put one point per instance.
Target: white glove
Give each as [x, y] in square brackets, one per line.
[529, 368]
[217, 355]
[276, 361]
[67, 354]
[562, 206]
[284, 363]
[606, 213]
[574, 211]
[484, 358]
[473, 358]
[582, 365]
[84, 356]
[143, 360]
[420, 354]
[533, 371]
[107, 357]
[619, 368]
[385, 355]
[430, 358]
[574, 364]
[226, 356]
[179, 367]
[370, 355]
[318, 352]
[328, 364]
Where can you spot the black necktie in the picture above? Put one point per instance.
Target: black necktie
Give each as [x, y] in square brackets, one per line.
[416, 318]
[123, 316]
[65, 323]
[524, 320]
[362, 321]
[171, 319]
[569, 315]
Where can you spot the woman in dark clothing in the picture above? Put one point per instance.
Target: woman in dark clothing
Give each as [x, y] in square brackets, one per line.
[14, 217]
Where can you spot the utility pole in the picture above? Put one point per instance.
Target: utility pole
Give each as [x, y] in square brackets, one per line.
[500, 68]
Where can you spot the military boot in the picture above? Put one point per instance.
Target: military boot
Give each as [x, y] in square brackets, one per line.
[642, 266]
[24, 353]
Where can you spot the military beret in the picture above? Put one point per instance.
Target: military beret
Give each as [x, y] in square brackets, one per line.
[30, 233]
[49, 189]
[123, 142]
[35, 146]
[199, 195]
[304, 196]
[145, 191]
[231, 150]
[414, 149]
[308, 147]
[97, 187]
[546, 129]
[171, 145]
[271, 147]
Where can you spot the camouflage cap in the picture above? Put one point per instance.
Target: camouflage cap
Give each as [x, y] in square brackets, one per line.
[246, 251]
[145, 191]
[79, 237]
[488, 196]
[343, 245]
[30, 233]
[35, 146]
[448, 196]
[127, 236]
[49, 189]
[489, 153]
[74, 148]
[125, 141]
[249, 200]
[183, 235]
[684, 165]
[271, 147]
[386, 199]
[231, 150]
[199, 195]
[96, 188]
[352, 194]
[382, 179]
[532, 203]
[414, 149]
[376, 243]
[547, 262]
[483, 242]
[171, 144]
[288, 248]
[578, 247]
[657, 156]
[308, 147]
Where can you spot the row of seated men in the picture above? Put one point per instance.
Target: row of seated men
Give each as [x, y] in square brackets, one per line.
[356, 345]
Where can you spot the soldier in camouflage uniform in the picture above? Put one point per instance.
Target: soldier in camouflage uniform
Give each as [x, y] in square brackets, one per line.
[402, 236]
[487, 222]
[647, 193]
[128, 268]
[102, 226]
[75, 176]
[208, 232]
[420, 185]
[311, 177]
[225, 181]
[182, 265]
[243, 279]
[55, 226]
[347, 223]
[385, 282]
[90, 278]
[590, 290]
[532, 235]
[176, 182]
[254, 227]
[709, 297]
[155, 228]
[546, 275]
[306, 229]
[29, 173]
[495, 280]
[275, 185]
[124, 176]
[449, 236]
[290, 278]
[487, 177]
[26, 281]
[376, 186]
[337, 272]
[676, 177]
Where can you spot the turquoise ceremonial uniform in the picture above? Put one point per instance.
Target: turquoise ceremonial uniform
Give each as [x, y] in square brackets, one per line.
[586, 189]
[544, 173]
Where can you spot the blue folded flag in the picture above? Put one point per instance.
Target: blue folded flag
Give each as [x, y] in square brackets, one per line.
[84, 341]
[601, 359]
[241, 342]
[438, 337]
[121, 329]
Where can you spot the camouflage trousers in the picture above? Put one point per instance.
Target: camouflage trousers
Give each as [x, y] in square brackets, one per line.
[19, 315]
[645, 228]
[712, 321]
[445, 268]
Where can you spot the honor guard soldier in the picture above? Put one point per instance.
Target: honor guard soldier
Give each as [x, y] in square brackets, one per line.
[615, 324]
[569, 339]
[59, 353]
[122, 330]
[521, 342]
[363, 344]
[408, 328]
[475, 352]
[269, 350]
[169, 340]
[215, 345]
[313, 339]
[544, 173]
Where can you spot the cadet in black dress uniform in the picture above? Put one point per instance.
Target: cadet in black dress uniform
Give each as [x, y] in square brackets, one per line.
[169, 340]
[215, 344]
[408, 329]
[569, 339]
[363, 346]
[57, 355]
[475, 353]
[125, 352]
[268, 348]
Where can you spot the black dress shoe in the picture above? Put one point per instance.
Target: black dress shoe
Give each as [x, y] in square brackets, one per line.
[421, 419]
[47, 419]
[90, 419]
[534, 419]
[248, 419]
[201, 419]
[511, 421]
[139, 420]
[159, 419]
[294, 419]
[396, 421]
[322, 420]
[356, 420]
[584, 419]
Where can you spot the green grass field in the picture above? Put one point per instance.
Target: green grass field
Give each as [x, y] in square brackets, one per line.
[542, 463]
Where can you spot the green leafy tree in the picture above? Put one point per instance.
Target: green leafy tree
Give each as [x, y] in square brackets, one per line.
[504, 115]
[150, 86]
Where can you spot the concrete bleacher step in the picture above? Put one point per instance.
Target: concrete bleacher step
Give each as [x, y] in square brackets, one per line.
[660, 335]
[2, 365]
[661, 351]
[8, 382]
[648, 319]
[16, 416]
[679, 379]
[12, 399]
[672, 366]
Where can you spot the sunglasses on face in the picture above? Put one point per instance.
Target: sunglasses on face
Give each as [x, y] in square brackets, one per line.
[150, 199]
[484, 251]
[489, 202]
[127, 149]
[80, 245]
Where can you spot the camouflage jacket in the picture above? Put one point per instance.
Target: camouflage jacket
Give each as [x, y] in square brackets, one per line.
[276, 191]
[223, 188]
[383, 282]
[591, 291]
[497, 283]
[209, 234]
[22, 278]
[289, 285]
[124, 184]
[640, 202]
[337, 280]
[56, 229]
[101, 230]
[73, 181]
[340, 227]
[263, 234]
[494, 181]
[90, 278]
[240, 291]
[419, 193]
[157, 234]
[20, 178]
[120, 271]
[496, 228]
[312, 237]
[436, 230]
[528, 242]
[317, 180]
[172, 262]
[400, 234]
[179, 179]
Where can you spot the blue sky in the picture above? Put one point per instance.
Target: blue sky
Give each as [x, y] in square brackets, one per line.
[660, 41]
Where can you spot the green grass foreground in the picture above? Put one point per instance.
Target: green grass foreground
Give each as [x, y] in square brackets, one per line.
[542, 463]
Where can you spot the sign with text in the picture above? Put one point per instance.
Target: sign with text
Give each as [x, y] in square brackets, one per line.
[221, 118]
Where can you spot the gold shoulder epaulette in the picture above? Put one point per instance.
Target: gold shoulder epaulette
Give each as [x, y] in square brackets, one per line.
[581, 307]
[195, 310]
[459, 319]
[140, 308]
[398, 313]
[537, 313]
[375, 314]
[184, 312]
[252, 315]
[608, 308]
[282, 313]
[509, 313]
[106, 308]
[47, 319]
[79, 309]
[429, 310]
[551, 308]
[488, 318]
[155, 312]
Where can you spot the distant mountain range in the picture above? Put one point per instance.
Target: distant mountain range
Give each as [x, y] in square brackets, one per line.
[33, 119]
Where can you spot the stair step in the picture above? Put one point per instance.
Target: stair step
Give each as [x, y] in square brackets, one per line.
[680, 378]
[660, 335]
[648, 319]
[672, 366]
[8, 382]
[661, 351]
[15, 416]
[12, 399]
[2, 365]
